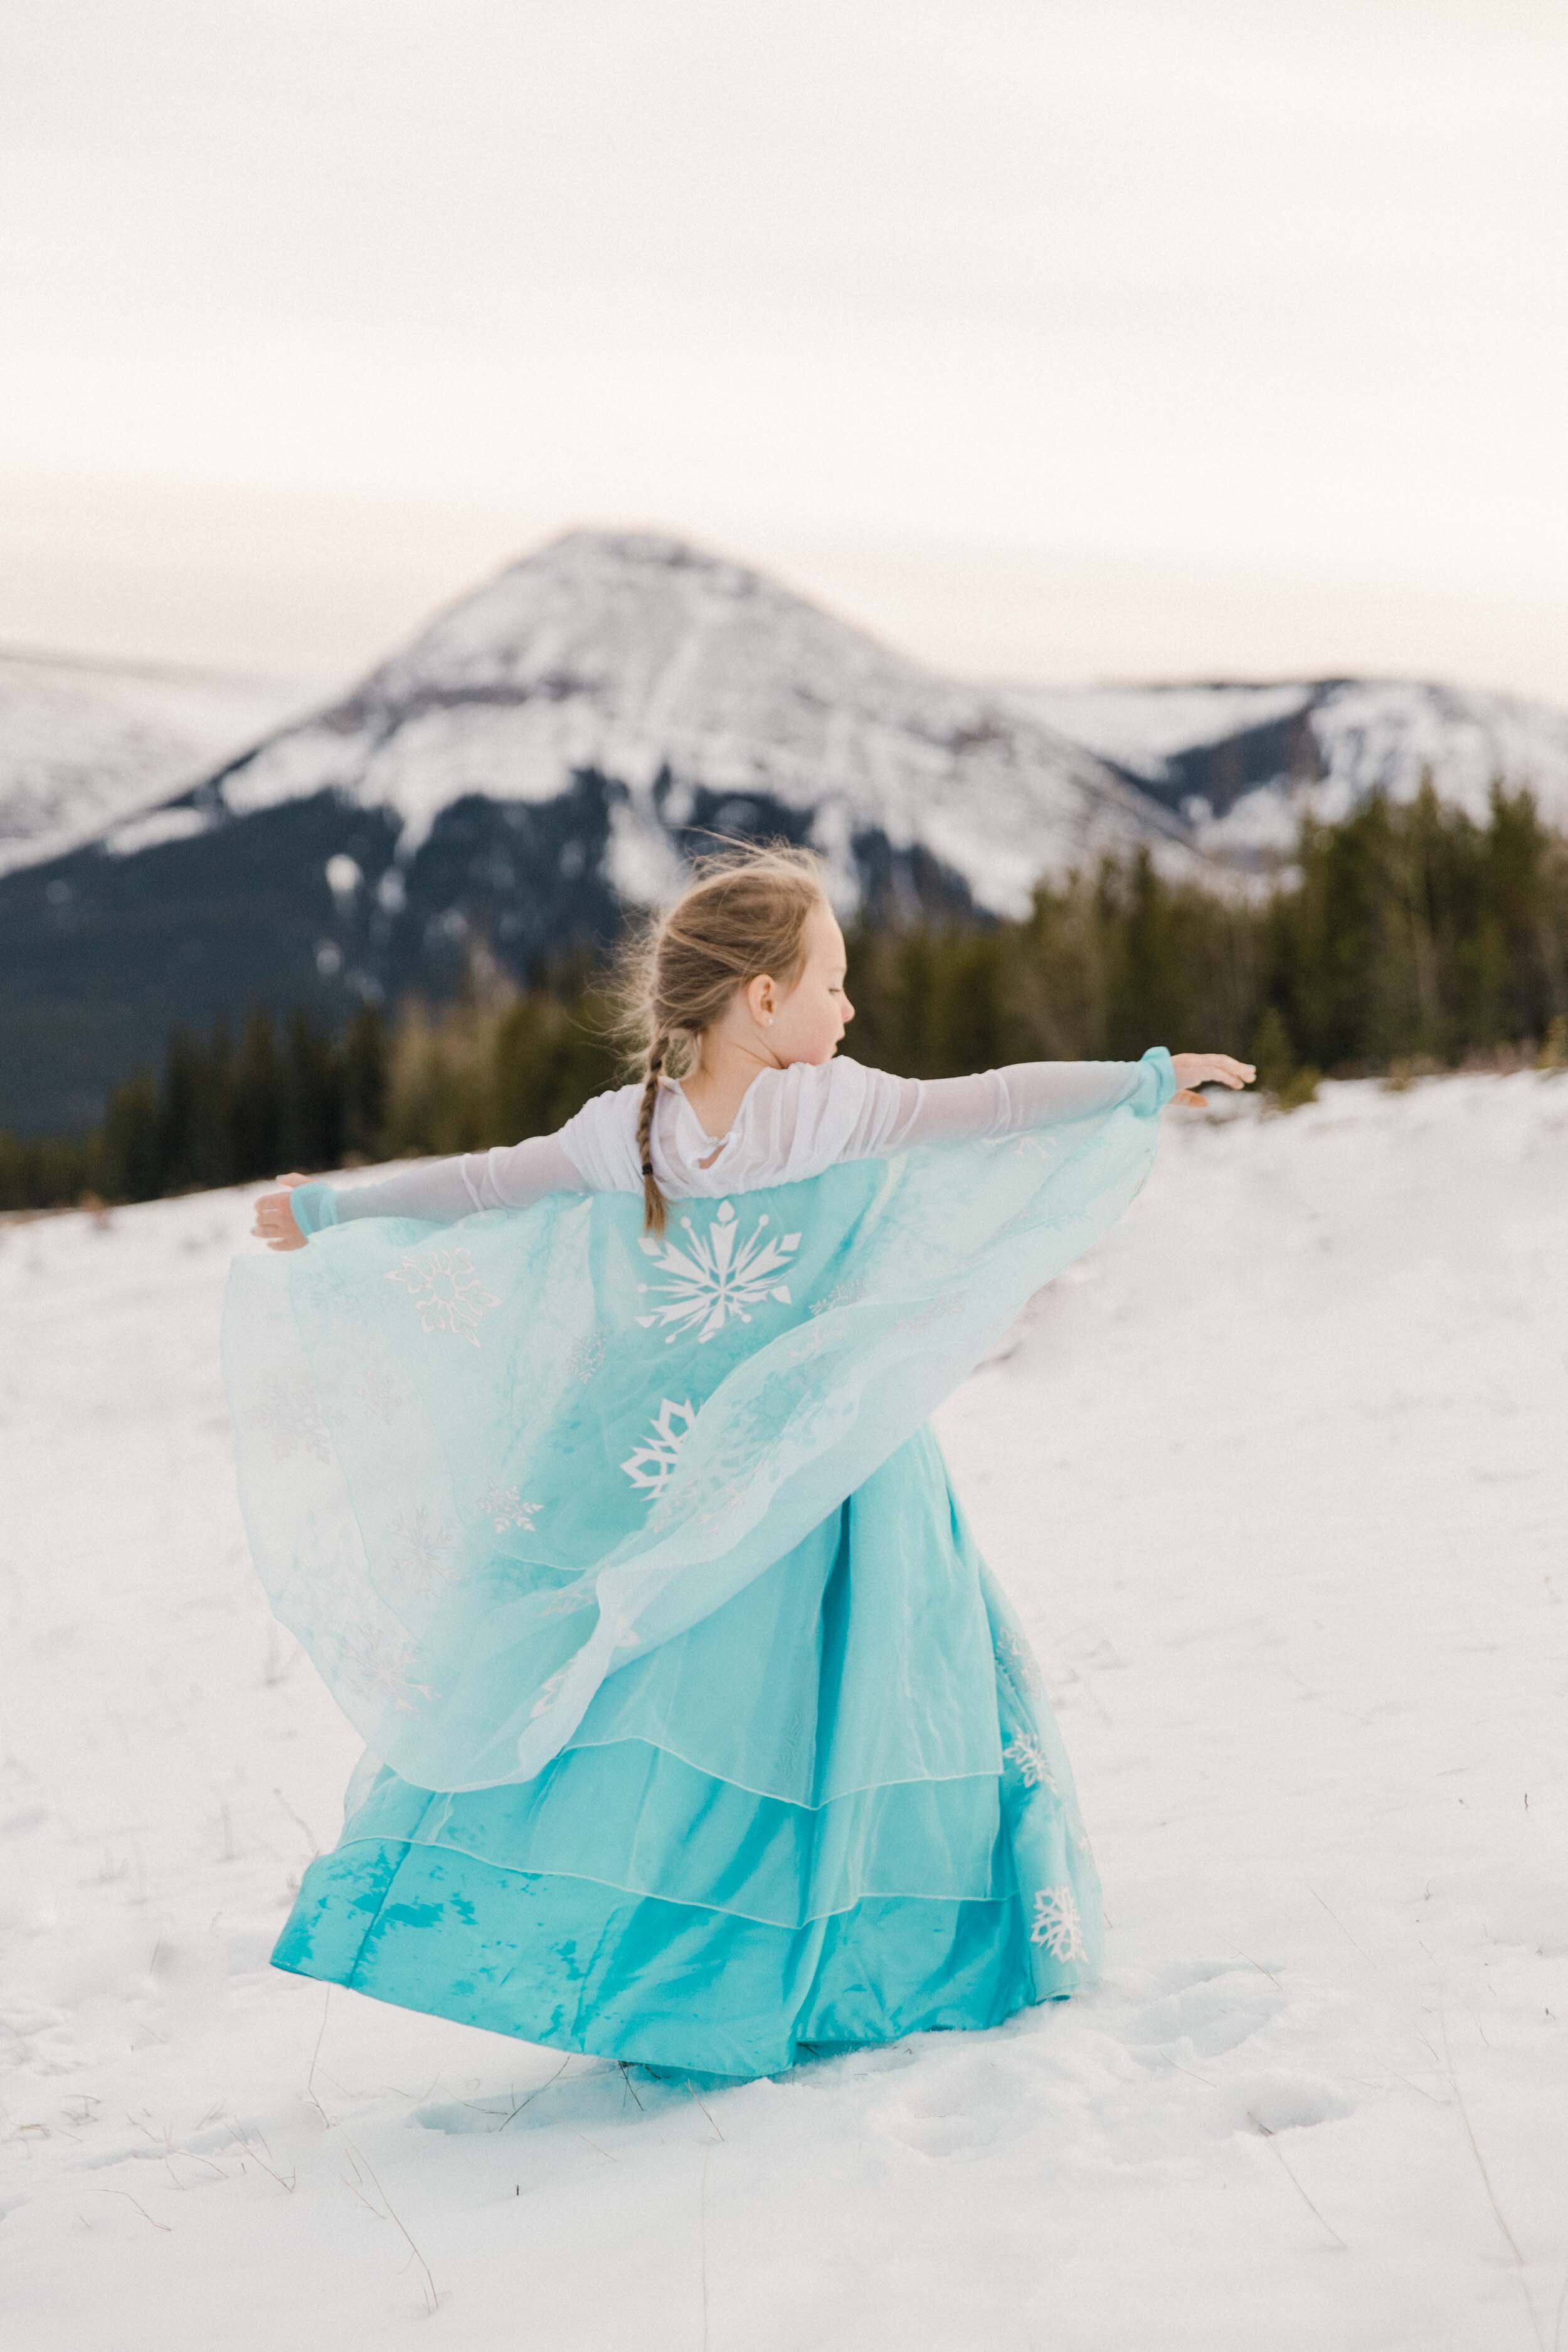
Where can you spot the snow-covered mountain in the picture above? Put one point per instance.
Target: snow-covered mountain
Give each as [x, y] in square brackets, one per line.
[707, 695]
[539, 758]
[549, 752]
[1243, 762]
[85, 743]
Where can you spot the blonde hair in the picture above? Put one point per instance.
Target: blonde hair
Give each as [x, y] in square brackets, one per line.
[744, 915]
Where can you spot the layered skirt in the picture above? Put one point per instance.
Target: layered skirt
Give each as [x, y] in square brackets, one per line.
[836, 1811]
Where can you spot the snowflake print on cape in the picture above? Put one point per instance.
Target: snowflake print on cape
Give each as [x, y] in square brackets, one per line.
[425, 1555]
[584, 1357]
[1017, 1661]
[1028, 1759]
[717, 1274]
[501, 1505]
[1056, 1924]
[649, 1464]
[382, 1394]
[380, 1664]
[291, 1417]
[447, 1291]
[548, 1693]
[566, 1600]
[843, 1294]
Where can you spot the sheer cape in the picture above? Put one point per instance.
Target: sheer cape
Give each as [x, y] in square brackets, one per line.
[487, 1465]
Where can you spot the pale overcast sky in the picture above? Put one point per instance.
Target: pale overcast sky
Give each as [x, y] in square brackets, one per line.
[1161, 338]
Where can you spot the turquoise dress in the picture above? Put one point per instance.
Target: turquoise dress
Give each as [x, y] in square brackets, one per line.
[697, 1732]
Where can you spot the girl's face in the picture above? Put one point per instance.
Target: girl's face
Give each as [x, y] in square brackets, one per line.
[809, 1019]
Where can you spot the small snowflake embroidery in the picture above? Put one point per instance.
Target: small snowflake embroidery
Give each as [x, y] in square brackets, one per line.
[941, 1310]
[423, 1556]
[447, 1291]
[649, 1464]
[584, 1357]
[843, 1294]
[1028, 1759]
[1015, 1657]
[564, 1601]
[380, 1665]
[717, 1275]
[1056, 1924]
[500, 1504]
[291, 1417]
[547, 1696]
[381, 1394]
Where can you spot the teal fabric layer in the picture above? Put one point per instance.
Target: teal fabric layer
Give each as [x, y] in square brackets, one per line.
[625, 1902]
[487, 1467]
[579, 1967]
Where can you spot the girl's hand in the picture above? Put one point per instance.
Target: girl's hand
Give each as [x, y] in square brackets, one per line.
[1194, 1070]
[275, 1217]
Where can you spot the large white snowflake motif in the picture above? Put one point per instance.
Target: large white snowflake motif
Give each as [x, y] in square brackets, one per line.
[717, 1274]
[1028, 1759]
[501, 1505]
[1056, 1924]
[649, 1464]
[447, 1291]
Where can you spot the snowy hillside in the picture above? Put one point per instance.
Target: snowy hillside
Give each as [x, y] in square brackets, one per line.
[1276, 1478]
[84, 744]
[1243, 761]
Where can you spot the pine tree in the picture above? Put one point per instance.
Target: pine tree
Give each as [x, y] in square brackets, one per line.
[260, 1128]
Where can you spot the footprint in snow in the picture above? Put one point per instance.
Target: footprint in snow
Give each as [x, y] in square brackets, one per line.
[1208, 2018]
[1277, 2101]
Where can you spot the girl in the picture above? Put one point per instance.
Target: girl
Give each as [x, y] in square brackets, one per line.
[594, 1473]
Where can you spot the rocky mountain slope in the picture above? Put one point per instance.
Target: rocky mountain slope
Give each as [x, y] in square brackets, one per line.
[1242, 763]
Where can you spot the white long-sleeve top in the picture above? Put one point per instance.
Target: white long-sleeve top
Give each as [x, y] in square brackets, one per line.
[791, 1123]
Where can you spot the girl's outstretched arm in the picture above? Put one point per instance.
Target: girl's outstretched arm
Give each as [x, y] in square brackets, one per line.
[508, 1176]
[902, 1112]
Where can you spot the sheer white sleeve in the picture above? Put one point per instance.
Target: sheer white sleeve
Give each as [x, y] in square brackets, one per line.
[508, 1176]
[902, 1112]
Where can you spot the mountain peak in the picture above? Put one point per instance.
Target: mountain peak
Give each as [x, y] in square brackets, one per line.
[667, 669]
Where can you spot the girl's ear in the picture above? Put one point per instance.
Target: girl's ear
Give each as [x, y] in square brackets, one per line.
[760, 998]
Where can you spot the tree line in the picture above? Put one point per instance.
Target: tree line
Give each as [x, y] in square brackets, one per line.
[1405, 938]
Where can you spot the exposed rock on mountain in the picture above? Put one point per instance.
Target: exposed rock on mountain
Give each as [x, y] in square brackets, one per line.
[1243, 762]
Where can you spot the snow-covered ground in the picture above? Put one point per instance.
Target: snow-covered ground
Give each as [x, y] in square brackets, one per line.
[1278, 1477]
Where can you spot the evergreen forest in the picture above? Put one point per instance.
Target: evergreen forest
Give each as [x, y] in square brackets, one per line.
[1406, 938]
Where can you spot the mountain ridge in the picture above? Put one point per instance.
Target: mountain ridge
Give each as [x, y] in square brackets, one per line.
[550, 749]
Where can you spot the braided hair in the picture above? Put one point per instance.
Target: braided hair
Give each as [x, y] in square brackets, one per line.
[653, 1199]
[743, 915]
